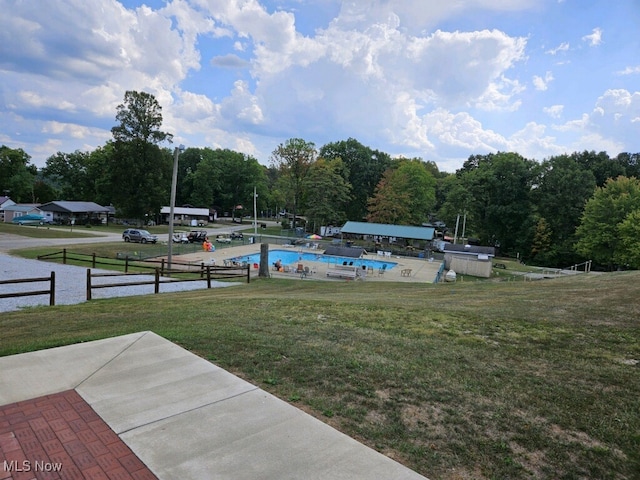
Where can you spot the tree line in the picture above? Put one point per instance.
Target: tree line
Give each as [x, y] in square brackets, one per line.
[556, 212]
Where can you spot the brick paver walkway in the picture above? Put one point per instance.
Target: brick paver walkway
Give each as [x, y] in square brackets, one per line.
[61, 437]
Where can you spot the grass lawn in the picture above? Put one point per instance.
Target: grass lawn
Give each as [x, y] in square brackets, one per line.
[483, 380]
[38, 231]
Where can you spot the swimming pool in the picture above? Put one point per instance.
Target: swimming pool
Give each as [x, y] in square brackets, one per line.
[289, 257]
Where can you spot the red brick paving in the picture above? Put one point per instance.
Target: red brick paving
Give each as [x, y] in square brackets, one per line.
[60, 437]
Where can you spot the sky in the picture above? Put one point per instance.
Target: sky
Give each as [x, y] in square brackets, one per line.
[433, 79]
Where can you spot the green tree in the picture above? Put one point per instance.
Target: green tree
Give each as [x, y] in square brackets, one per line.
[69, 174]
[631, 163]
[327, 193]
[200, 178]
[602, 167]
[293, 159]
[410, 186]
[629, 232]
[140, 171]
[17, 175]
[604, 215]
[501, 211]
[240, 174]
[363, 169]
[389, 204]
[455, 200]
[542, 242]
[563, 190]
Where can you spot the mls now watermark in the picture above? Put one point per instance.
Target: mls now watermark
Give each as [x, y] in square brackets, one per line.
[29, 466]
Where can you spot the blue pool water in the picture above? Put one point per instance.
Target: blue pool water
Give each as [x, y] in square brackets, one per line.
[289, 257]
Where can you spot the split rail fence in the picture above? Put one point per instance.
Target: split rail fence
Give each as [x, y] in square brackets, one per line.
[51, 291]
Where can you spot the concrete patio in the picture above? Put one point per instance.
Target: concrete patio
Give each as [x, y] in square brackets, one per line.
[185, 418]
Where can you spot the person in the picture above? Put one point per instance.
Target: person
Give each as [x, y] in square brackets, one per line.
[206, 245]
[278, 265]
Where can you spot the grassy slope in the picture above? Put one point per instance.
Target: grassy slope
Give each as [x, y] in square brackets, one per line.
[473, 380]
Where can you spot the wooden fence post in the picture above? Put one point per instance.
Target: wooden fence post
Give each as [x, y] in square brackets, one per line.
[248, 273]
[126, 264]
[88, 284]
[64, 256]
[208, 276]
[52, 289]
[162, 267]
[157, 282]
[93, 260]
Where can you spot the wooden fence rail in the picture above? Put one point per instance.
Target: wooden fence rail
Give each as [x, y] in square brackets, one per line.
[51, 292]
[206, 273]
[148, 264]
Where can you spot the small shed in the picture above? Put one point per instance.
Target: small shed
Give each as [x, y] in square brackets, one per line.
[469, 259]
[186, 216]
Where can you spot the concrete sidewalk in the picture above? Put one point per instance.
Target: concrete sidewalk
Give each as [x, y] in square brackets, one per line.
[186, 418]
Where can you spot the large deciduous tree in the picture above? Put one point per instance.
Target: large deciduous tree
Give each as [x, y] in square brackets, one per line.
[607, 230]
[563, 190]
[293, 159]
[501, 211]
[17, 175]
[364, 168]
[327, 193]
[140, 171]
[405, 195]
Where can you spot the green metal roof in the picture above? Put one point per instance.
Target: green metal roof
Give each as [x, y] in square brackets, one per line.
[386, 230]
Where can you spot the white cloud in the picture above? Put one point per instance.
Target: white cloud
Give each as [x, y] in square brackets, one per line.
[542, 83]
[461, 130]
[595, 38]
[554, 111]
[563, 47]
[629, 71]
[533, 142]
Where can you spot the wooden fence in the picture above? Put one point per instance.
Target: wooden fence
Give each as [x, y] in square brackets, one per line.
[206, 273]
[51, 291]
[178, 267]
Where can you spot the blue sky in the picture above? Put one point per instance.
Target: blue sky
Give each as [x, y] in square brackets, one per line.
[439, 80]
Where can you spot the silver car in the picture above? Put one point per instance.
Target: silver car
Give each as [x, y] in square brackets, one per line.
[141, 236]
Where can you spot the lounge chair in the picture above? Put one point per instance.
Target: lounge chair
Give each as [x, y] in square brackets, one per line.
[382, 270]
[301, 271]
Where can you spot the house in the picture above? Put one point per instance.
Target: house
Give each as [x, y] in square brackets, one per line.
[469, 259]
[76, 212]
[20, 209]
[5, 202]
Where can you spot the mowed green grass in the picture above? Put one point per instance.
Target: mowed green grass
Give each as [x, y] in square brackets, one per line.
[483, 380]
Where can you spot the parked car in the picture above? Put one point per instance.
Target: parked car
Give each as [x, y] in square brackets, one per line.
[140, 236]
[197, 236]
[31, 219]
[237, 236]
[223, 239]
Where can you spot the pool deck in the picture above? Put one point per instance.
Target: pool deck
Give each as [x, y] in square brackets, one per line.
[408, 269]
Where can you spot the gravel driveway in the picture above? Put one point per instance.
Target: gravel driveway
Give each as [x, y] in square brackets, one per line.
[71, 283]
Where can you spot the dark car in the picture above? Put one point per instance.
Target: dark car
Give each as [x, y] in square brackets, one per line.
[197, 236]
[237, 236]
[139, 236]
